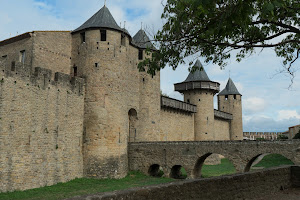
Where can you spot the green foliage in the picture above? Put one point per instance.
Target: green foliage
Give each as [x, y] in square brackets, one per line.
[273, 160]
[214, 28]
[282, 137]
[84, 186]
[297, 136]
[260, 139]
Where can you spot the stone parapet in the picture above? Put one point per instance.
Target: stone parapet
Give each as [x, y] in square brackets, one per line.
[250, 185]
[180, 87]
[223, 115]
[178, 105]
[42, 77]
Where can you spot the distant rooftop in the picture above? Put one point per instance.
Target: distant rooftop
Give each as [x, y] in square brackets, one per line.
[230, 89]
[102, 19]
[142, 40]
[199, 74]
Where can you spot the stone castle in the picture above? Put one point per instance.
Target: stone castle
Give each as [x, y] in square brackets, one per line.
[70, 102]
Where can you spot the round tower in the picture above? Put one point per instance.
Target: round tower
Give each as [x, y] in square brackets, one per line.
[199, 90]
[102, 53]
[230, 101]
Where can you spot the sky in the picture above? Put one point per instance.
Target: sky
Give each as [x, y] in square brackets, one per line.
[268, 102]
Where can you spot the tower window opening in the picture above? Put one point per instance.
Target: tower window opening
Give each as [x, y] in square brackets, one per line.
[82, 35]
[141, 52]
[234, 96]
[96, 65]
[4, 57]
[13, 66]
[226, 97]
[75, 71]
[188, 100]
[123, 40]
[103, 35]
[22, 56]
[199, 99]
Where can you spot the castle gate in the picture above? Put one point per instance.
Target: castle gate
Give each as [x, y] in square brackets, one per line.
[191, 155]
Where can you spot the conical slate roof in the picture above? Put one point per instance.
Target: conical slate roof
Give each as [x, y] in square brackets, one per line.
[102, 19]
[230, 89]
[199, 74]
[142, 40]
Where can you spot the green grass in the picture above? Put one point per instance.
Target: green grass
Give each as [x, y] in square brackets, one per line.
[226, 167]
[84, 186]
[273, 160]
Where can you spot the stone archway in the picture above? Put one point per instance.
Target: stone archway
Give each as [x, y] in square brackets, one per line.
[269, 163]
[197, 169]
[132, 115]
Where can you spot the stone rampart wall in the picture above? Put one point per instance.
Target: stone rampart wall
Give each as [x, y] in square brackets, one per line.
[221, 129]
[176, 126]
[250, 185]
[41, 126]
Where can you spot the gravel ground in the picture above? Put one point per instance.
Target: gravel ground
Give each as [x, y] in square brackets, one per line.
[289, 194]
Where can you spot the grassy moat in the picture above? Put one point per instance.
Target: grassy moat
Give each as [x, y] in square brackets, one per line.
[85, 186]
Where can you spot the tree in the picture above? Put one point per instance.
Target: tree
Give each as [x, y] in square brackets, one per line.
[297, 136]
[215, 28]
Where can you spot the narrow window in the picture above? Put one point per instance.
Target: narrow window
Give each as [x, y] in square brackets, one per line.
[96, 65]
[234, 96]
[22, 56]
[226, 97]
[188, 100]
[82, 35]
[13, 66]
[75, 71]
[123, 40]
[103, 35]
[140, 54]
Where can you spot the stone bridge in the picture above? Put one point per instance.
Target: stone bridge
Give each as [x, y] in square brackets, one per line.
[151, 157]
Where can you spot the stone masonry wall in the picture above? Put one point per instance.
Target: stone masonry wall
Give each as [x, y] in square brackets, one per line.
[41, 125]
[204, 117]
[10, 53]
[233, 105]
[250, 185]
[176, 126]
[221, 129]
[52, 50]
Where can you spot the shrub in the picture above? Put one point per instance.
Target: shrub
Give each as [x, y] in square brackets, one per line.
[297, 136]
[282, 137]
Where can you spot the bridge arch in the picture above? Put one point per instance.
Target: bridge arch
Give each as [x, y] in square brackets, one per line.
[197, 170]
[261, 156]
[177, 172]
[155, 170]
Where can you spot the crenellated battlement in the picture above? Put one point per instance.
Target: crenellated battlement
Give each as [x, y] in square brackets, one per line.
[42, 77]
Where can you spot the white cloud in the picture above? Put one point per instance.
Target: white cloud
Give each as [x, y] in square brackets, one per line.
[254, 105]
[288, 114]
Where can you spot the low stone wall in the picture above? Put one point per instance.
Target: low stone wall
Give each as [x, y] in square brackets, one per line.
[240, 186]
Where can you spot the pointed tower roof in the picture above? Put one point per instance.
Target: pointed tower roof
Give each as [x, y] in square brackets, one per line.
[142, 40]
[229, 89]
[199, 74]
[197, 80]
[102, 19]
